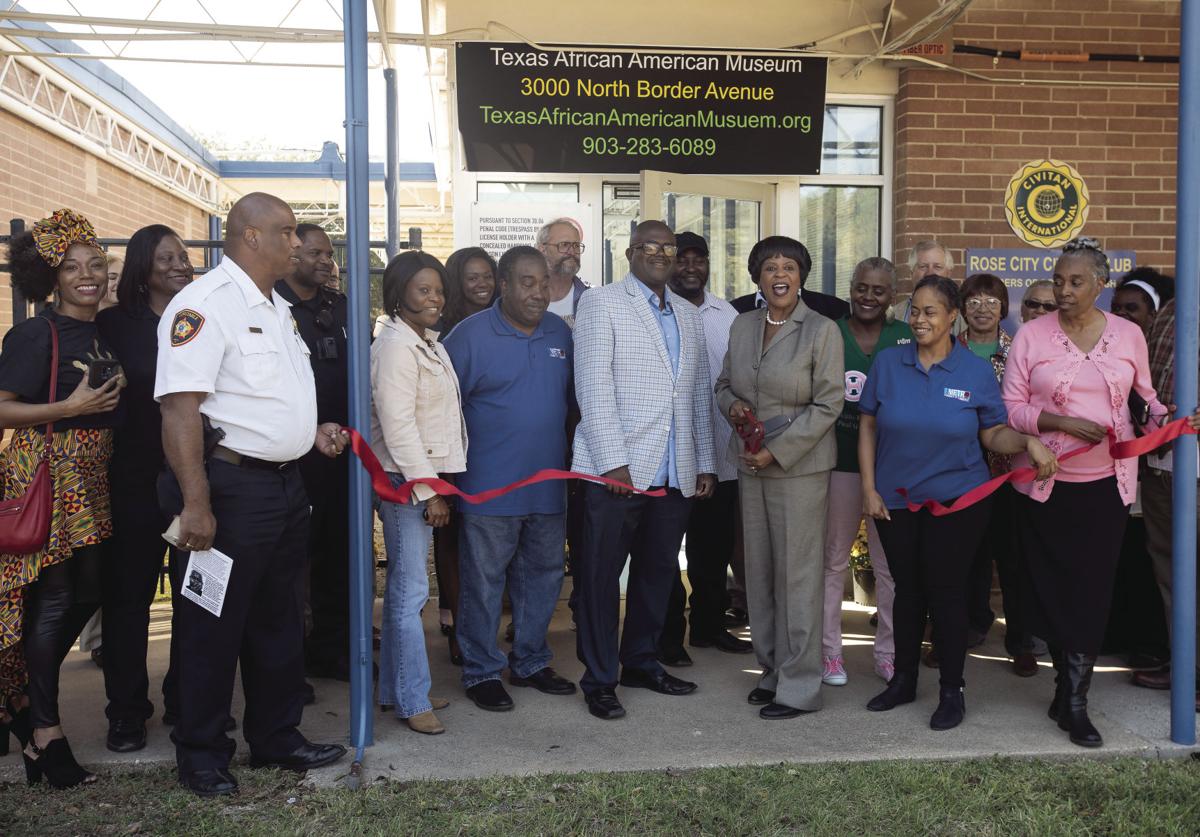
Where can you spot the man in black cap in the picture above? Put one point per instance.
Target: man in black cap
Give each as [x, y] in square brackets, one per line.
[320, 314]
[712, 524]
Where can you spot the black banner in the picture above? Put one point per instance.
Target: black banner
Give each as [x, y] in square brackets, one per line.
[522, 109]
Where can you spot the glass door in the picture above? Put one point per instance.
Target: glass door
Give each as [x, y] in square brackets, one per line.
[731, 214]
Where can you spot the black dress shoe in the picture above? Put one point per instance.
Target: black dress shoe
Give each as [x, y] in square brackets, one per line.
[760, 696]
[676, 658]
[951, 709]
[656, 681]
[329, 669]
[307, 756]
[546, 681]
[490, 695]
[735, 617]
[724, 641]
[777, 711]
[207, 783]
[125, 735]
[902, 688]
[604, 705]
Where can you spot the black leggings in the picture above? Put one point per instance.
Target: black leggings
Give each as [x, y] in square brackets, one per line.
[57, 606]
[930, 558]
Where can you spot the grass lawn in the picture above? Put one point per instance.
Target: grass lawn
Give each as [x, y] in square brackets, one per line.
[993, 796]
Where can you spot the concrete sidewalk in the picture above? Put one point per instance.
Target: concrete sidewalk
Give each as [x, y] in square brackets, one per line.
[1006, 715]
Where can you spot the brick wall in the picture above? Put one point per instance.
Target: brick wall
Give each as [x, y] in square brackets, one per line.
[959, 140]
[40, 173]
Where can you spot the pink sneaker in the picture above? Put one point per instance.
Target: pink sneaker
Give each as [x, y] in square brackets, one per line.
[835, 671]
[885, 668]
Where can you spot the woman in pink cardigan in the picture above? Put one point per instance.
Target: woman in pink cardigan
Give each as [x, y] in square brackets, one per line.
[1068, 379]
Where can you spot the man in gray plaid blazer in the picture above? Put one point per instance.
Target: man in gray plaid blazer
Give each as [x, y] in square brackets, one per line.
[642, 382]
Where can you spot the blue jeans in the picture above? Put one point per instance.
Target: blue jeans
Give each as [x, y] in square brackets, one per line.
[528, 552]
[404, 679]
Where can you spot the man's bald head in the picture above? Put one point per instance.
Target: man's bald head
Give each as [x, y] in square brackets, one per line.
[260, 236]
[651, 254]
[253, 210]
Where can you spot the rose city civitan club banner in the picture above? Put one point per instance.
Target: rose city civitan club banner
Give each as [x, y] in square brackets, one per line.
[522, 109]
[1020, 267]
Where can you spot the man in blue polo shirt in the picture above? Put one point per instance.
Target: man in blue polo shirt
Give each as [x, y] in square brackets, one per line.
[514, 366]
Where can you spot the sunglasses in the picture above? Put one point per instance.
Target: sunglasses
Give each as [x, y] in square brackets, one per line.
[1034, 305]
[1127, 307]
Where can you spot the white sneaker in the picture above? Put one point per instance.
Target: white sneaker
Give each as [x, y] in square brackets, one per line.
[885, 668]
[835, 671]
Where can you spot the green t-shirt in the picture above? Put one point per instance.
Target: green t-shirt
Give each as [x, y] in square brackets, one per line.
[984, 350]
[858, 365]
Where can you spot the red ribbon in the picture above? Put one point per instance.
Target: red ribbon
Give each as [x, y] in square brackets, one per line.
[403, 493]
[751, 432]
[1117, 450]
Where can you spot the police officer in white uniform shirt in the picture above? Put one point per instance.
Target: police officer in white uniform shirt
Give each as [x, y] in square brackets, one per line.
[230, 356]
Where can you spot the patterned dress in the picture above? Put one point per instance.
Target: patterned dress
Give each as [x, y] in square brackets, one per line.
[79, 517]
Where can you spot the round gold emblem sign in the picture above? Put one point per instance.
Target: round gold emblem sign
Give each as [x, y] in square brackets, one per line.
[1046, 203]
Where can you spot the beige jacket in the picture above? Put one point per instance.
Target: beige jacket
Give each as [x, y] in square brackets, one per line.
[417, 426]
[800, 375]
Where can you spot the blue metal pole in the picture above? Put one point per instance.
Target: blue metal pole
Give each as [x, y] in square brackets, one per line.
[393, 164]
[1187, 349]
[362, 598]
[212, 256]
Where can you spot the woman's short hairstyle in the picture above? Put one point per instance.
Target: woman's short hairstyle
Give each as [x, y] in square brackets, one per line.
[944, 287]
[133, 288]
[31, 274]
[400, 271]
[878, 263]
[778, 245]
[986, 284]
[1040, 283]
[1089, 248]
[1162, 284]
[456, 268]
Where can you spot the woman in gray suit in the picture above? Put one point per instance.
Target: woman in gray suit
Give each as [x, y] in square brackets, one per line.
[784, 365]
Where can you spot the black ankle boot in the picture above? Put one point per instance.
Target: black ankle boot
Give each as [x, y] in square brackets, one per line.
[1058, 705]
[1074, 715]
[951, 709]
[902, 688]
[57, 763]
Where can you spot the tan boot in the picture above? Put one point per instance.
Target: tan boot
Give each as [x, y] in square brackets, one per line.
[426, 723]
[439, 703]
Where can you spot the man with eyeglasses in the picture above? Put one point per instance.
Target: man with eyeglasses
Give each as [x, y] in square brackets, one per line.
[1038, 300]
[560, 242]
[320, 314]
[645, 395]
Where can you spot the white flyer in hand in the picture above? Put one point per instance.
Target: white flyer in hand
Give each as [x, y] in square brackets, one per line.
[205, 579]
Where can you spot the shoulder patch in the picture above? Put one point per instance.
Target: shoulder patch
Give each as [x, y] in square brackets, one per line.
[186, 326]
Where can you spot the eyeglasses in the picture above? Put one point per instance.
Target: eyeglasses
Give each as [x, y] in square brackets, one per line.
[977, 302]
[651, 248]
[1036, 305]
[1128, 307]
[568, 247]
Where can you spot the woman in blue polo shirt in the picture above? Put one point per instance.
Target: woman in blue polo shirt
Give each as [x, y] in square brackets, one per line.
[925, 411]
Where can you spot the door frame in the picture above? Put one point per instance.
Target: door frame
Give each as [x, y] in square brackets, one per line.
[758, 189]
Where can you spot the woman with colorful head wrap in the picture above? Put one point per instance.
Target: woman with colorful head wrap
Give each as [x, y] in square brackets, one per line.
[46, 597]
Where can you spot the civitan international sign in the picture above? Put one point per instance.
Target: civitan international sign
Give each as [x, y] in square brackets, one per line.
[523, 109]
